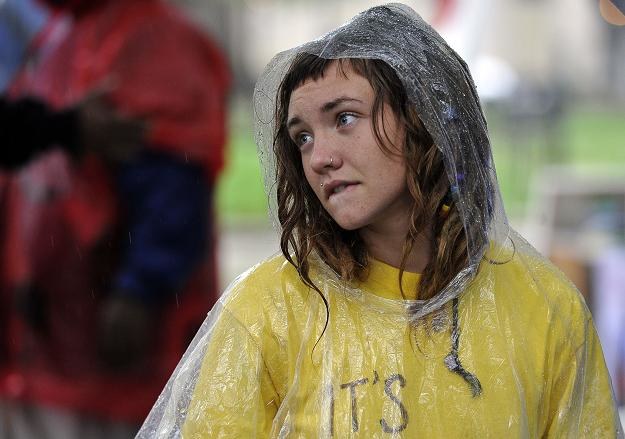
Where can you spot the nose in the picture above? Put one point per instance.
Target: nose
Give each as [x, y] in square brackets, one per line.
[324, 156]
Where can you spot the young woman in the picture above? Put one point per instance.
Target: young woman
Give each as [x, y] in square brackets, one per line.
[402, 304]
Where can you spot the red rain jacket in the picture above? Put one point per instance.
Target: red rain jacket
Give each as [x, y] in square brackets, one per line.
[59, 220]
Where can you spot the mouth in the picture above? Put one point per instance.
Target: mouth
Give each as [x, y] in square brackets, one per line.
[338, 186]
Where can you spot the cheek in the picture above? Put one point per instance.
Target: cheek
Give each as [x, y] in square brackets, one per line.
[307, 172]
[393, 177]
[312, 179]
[386, 168]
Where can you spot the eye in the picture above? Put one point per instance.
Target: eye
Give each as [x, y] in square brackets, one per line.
[344, 119]
[302, 139]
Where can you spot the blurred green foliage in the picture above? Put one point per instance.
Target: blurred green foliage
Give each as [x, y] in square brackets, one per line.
[585, 139]
[240, 192]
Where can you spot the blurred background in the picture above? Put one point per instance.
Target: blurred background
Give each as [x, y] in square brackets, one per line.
[550, 74]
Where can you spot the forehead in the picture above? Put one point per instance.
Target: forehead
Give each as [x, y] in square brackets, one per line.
[336, 82]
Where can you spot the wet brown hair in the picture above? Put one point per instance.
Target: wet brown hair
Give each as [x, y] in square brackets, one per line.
[307, 227]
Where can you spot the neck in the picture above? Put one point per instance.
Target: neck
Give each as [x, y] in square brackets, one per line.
[389, 248]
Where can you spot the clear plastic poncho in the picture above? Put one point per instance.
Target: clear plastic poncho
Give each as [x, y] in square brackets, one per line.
[509, 348]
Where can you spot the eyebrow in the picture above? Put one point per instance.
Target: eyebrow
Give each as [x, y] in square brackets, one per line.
[328, 106]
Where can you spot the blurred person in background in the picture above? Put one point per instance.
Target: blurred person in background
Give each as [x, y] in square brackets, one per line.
[108, 260]
[608, 289]
[29, 127]
[609, 305]
[20, 20]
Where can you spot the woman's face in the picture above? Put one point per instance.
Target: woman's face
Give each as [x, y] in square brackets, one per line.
[359, 185]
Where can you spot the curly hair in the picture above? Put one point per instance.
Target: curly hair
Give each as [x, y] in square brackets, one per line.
[307, 227]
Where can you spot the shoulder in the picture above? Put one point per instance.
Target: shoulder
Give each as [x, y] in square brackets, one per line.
[267, 290]
[264, 277]
[531, 287]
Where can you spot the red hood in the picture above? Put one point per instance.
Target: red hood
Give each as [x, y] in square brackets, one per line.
[130, 39]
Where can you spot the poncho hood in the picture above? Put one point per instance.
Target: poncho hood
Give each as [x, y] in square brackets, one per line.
[439, 85]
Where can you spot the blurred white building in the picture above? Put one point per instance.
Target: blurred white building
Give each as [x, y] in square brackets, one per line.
[501, 39]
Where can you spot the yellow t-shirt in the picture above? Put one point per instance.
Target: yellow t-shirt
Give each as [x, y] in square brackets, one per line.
[270, 369]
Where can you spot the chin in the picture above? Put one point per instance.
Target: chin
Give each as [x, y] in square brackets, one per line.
[348, 227]
[349, 223]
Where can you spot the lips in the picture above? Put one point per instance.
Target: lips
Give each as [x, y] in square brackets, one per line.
[337, 186]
